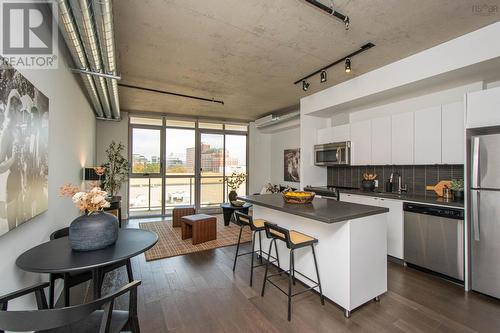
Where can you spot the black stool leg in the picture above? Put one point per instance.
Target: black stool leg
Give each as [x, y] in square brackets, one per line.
[278, 259]
[317, 274]
[237, 248]
[260, 246]
[293, 267]
[267, 267]
[252, 255]
[290, 286]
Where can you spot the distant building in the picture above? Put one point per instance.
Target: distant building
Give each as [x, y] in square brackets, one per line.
[212, 159]
[139, 159]
[155, 159]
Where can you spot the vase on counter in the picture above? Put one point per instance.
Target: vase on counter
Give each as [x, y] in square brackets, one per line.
[368, 185]
[458, 195]
[232, 195]
[93, 231]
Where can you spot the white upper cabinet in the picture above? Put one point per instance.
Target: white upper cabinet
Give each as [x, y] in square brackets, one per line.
[333, 134]
[341, 133]
[324, 135]
[453, 133]
[428, 135]
[483, 108]
[361, 148]
[381, 141]
[402, 138]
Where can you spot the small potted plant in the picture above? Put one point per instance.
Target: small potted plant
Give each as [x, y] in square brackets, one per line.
[457, 187]
[94, 229]
[368, 182]
[233, 183]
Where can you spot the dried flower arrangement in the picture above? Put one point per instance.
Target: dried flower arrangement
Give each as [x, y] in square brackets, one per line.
[87, 202]
[99, 171]
[235, 180]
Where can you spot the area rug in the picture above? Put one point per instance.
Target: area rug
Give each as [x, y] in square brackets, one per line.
[170, 243]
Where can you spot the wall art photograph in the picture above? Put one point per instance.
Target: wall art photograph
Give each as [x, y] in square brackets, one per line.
[292, 165]
[24, 130]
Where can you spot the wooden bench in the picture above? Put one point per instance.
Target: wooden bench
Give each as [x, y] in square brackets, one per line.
[200, 227]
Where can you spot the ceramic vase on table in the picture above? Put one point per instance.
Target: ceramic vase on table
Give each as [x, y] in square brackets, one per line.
[368, 185]
[232, 196]
[93, 231]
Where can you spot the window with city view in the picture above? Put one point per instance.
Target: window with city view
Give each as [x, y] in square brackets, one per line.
[156, 187]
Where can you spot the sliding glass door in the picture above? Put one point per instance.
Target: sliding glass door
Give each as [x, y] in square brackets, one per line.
[180, 152]
[211, 183]
[145, 183]
[183, 162]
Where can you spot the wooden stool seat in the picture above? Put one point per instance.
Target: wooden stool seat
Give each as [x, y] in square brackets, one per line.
[200, 227]
[180, 211]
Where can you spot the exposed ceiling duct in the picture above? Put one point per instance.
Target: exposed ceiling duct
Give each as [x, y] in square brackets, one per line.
[88, 29]
[104, 20]
[75, 47]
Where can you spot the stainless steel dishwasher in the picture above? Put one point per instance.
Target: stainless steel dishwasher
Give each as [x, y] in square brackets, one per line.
[434, 238]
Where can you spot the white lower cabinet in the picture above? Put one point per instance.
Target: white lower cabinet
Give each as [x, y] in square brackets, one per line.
[395, 245]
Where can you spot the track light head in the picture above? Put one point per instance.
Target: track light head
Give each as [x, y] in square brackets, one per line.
[305, 85]
[347, 22]
[347, 65]
[323, 77]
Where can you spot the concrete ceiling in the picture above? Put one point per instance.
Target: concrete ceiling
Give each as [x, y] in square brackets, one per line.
[248, 53]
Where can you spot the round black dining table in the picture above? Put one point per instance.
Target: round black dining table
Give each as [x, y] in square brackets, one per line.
[56, 256]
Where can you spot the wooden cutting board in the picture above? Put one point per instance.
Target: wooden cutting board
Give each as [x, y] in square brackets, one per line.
[439, 187]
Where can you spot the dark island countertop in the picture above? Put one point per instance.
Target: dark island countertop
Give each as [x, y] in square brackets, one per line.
[323, 210]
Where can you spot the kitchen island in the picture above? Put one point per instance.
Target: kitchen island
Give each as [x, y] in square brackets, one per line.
[352, 247]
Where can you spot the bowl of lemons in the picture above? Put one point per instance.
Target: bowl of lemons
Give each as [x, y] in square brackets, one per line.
[298, 197]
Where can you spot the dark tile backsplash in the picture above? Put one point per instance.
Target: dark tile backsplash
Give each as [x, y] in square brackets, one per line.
[415, 176]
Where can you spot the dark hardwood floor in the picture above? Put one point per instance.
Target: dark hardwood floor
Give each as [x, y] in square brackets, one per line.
[199, 293]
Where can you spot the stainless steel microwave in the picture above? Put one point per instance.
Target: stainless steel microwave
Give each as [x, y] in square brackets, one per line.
[337, 153]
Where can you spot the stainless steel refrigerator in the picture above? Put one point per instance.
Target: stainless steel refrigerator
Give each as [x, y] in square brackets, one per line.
[484, 209]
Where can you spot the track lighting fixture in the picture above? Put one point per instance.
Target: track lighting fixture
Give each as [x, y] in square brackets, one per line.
[347, 65]
[345, 59]
[305, 85]
[331, 11]
[323, 76]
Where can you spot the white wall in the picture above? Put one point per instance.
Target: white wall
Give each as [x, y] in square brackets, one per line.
[266, 155]
[71, 146]
[460, 53]
[288, 139]
[106, 132]
[259, 168]
[417, 103]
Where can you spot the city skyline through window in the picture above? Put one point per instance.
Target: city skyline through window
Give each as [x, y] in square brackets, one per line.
[153, 193]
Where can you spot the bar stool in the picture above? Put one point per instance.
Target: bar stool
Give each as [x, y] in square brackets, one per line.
[293, 240]
[256, 226]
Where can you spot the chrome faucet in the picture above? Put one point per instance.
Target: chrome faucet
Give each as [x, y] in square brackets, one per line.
[401, 188]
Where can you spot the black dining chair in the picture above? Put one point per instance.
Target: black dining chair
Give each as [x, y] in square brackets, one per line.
[96, 316]
[74, 279]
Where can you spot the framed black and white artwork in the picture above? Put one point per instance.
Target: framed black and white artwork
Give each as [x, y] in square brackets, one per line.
[24, 131]
[292, 165]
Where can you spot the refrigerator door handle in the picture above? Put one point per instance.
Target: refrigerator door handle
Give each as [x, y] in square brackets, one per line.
[475, 161]
[475, 215]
